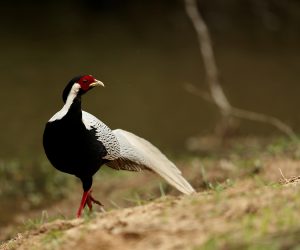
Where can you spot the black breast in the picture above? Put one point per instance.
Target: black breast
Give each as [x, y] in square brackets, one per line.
[73, 149]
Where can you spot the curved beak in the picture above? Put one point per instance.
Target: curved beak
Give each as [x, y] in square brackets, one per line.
[97, 83]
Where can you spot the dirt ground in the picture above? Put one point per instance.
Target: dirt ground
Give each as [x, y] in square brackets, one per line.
[244, 214]
[248, 202]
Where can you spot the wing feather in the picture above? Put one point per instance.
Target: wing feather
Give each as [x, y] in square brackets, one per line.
[103, 134]
[137, 154]
[126, 151]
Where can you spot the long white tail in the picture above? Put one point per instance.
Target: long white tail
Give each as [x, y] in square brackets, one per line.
[141, 152]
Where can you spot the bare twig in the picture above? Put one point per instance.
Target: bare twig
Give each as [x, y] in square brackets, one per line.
[249, 115]
[292, 180]
[217, 94]
[198, 92]
[283, 177]
[208, 57]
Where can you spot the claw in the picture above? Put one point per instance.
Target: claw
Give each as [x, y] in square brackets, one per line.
[95, 201]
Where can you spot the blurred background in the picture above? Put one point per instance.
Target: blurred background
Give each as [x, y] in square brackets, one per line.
[144, 52]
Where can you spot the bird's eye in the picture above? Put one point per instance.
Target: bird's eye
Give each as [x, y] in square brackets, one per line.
[84, 80]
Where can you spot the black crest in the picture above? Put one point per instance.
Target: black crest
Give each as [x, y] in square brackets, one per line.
[69, 87]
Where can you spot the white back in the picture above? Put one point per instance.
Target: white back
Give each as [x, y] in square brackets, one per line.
[103, 134]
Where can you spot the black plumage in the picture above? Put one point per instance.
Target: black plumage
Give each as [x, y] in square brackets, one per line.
[78, 143]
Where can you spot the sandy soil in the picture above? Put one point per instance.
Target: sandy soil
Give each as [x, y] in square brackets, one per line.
[185, 222]
[249, 202]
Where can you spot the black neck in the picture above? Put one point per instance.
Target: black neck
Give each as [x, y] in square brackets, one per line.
[75, 111]
[86, 183]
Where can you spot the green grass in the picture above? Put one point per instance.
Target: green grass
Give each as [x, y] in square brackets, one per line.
[37, 221]
[34, 183]
[274, 225]
[53, 239]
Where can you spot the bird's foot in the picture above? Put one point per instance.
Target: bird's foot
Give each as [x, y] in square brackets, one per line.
[88, 199]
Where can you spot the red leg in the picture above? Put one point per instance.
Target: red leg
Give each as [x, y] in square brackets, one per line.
[82, 203]
[87, 199]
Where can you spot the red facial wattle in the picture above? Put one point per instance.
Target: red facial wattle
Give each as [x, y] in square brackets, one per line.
[85, 82]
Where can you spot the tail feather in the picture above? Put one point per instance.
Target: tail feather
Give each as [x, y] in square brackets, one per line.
[142, 152]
